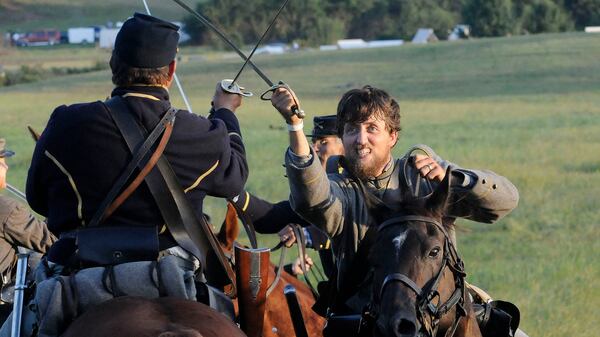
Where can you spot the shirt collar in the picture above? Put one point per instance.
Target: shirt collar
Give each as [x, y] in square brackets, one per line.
[159, 92]
[381, 181]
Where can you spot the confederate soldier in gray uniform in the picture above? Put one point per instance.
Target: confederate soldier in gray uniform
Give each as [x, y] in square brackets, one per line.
[18, 228]
[369, 125]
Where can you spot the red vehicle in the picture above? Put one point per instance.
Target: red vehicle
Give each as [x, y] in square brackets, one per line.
[39, 38]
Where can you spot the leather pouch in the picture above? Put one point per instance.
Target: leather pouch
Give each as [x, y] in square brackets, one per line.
[103, 246]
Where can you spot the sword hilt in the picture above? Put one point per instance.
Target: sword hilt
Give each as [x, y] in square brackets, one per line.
[232, 87]
[266, 96]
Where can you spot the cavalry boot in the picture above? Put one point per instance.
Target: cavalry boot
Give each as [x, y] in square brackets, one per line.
[252, 281]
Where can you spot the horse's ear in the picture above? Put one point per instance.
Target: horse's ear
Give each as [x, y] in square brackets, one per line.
[438, 200]
[230, 229]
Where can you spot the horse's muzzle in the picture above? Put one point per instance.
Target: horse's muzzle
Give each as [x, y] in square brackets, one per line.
[402, 324]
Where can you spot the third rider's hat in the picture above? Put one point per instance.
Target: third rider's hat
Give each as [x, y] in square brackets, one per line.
[324, 126]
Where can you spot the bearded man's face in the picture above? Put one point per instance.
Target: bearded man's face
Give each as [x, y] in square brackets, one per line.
[368, 146]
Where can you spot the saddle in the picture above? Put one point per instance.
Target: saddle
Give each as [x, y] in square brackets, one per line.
[497, 318]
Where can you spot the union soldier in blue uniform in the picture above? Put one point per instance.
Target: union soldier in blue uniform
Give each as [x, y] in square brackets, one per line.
[82, 152]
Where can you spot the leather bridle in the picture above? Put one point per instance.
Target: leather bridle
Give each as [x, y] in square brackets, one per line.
[428, 313]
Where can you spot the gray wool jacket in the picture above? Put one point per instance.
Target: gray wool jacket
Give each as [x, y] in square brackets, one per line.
[334, 202]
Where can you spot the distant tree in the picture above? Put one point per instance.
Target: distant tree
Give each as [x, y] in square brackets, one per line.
[401, 18]
[434, 14]
[313, 22]
[307, 22]
[372, 20]
[584, 12]
[245, 21]
[489, 17]
[538, 16]
[242, 21]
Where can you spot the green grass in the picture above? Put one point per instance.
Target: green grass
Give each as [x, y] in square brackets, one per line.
[25, 15]
[525, 107]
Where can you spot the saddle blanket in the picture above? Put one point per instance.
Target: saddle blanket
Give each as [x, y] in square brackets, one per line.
[59, 300]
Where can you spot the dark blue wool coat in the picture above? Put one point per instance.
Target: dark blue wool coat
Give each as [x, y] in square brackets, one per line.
[81, 153]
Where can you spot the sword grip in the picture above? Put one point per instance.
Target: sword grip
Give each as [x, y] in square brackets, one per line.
[298, 112]
[266, 96]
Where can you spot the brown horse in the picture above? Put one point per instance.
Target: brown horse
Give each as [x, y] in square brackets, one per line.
[160, 317]
[418, 281]
[277, 320]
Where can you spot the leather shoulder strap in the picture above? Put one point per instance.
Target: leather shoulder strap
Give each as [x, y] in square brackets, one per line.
[190, 231]
[139, 153]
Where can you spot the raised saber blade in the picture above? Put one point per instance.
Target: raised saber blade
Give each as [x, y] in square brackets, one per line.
[224, 38]
[259, 42]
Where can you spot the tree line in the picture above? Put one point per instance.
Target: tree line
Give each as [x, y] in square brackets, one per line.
[315, 22]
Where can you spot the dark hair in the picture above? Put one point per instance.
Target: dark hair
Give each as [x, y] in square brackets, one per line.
[357, 105]
[124, 75]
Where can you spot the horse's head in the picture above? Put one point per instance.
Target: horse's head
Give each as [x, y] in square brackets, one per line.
[229, 230]
[416, 270]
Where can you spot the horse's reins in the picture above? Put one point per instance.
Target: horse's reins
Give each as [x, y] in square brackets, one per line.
[425, 296]
[299, 234]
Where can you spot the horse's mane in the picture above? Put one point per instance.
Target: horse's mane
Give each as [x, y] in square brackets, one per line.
[417, 207]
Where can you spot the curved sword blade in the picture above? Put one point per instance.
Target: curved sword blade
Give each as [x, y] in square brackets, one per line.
[260, 41]
[224, 37]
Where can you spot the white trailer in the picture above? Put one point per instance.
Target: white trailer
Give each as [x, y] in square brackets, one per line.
[81, 35]
[108, 37]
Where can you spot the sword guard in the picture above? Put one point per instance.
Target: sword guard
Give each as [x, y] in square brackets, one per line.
[233, 88]
[266, 96]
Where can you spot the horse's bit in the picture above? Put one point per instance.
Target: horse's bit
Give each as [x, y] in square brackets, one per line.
[425, 296]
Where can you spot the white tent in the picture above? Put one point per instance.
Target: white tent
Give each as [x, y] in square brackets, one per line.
[424, 35]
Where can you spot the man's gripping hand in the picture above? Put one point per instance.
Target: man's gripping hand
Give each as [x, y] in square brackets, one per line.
[429, 168]
[223, 99]
[284, 99]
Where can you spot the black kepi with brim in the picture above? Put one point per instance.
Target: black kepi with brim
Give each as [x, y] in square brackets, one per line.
[324, 126]
[145, 41]
[4, 153]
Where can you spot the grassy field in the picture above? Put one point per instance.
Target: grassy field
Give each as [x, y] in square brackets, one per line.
[525, 107]
[24, 15]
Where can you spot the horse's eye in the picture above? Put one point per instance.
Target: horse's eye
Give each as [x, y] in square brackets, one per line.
[435, 252]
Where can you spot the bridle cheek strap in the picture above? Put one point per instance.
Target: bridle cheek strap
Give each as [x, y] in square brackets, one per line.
[403, 279]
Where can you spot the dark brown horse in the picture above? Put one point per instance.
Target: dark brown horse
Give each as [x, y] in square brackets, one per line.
[161, 317]
[277, 320]
[418, 282]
